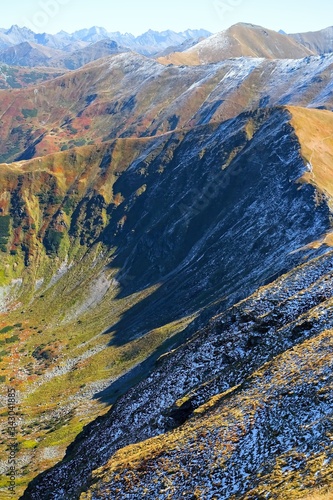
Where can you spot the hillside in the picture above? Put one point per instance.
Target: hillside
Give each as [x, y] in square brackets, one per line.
[259, 425]
[28, 54]
[319, 42]
[241, 40]
[13, 77]
[128, 95]
[166, 264]
[79, 228]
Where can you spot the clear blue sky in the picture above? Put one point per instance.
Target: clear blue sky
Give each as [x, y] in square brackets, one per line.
[137, 16]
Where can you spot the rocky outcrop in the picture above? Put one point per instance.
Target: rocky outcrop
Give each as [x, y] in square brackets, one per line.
[251, 360]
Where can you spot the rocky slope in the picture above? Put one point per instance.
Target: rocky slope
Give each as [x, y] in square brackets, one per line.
[142, 261]
[128, 95]
[144, 202]
[243, 409]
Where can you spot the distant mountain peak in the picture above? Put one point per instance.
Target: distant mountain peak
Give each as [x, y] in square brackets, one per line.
[150, 43]
[97, 29]
[240, 40]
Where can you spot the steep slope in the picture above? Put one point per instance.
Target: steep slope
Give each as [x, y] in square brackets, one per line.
[270, 434]
[319, 42]
[16, 35]
[315, 131]
[129, 95]
[243, 410]
[144, 240]
[241, 40]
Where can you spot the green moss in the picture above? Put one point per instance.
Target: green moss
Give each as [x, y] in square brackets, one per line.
[2, 277]
[7, 329]
[63, 435]
[29, 113]
[13, 339]
[52, 241]
[29, 444]
[4, 232]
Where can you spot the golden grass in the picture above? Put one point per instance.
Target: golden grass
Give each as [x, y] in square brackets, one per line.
[242, 41]
[314, 129]
[179, 58]
[319, 495]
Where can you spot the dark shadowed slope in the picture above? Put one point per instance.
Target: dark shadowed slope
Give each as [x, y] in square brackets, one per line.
[254, 211]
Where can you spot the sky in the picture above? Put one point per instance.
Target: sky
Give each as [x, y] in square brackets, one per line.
[137, 16]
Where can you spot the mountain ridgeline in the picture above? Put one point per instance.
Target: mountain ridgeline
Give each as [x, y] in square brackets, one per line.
[23, 47]
[166, 263]
[120, 96]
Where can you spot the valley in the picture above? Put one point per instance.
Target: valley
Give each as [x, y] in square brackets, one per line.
[166, 270]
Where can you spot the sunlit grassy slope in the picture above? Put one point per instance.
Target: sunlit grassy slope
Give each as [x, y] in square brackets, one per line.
[315, 130]
[241, 40]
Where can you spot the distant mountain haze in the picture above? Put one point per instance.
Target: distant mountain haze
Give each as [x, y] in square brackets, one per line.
[148, 43]
[22, 47]
[320, 42]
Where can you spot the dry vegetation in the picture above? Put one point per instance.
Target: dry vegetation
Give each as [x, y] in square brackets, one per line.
[241, 40]
[315, 131]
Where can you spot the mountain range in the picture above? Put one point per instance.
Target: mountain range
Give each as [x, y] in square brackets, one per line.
[166, 265]
[22, 47]
[148, 43]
